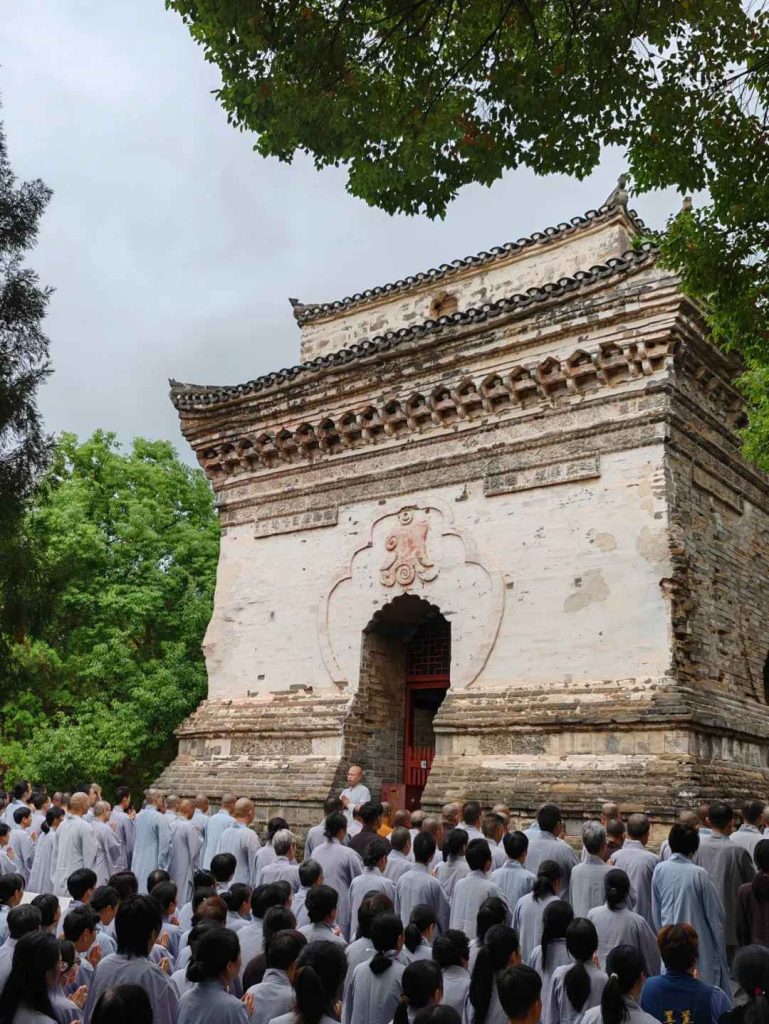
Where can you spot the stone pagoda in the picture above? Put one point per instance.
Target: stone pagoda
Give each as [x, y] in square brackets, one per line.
[492, 536]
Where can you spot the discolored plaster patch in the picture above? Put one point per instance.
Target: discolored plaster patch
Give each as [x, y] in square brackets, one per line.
[652, 544]
[589, 588]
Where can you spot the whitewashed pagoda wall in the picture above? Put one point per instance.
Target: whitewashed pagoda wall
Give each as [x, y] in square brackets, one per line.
[564, 583]
[533, 266]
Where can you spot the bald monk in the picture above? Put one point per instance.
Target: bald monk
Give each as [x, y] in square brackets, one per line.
[242, 842]
[76, 844]
[186, 845]
[217, 823]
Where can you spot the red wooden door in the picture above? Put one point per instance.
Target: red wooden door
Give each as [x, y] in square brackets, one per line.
[428, 663]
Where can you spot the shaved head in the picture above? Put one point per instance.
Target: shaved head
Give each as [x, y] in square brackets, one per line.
[201, 802]
[244, 808]
[228, 801]
[187, 808]
[78, 803]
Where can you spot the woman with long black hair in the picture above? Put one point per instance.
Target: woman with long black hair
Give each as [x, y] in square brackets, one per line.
[576, 986]
[318, 982]
[419, 935]
[552, 951]
[453, 866]
[617, 925]
[422, 987]
[499, 951]
[41, 874]
[529, 910]
[374, 990]
[35, 968]
[214, 965]
[751, 969]
[619, 1002]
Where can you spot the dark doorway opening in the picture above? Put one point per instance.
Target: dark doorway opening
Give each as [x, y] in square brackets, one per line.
[428, 677]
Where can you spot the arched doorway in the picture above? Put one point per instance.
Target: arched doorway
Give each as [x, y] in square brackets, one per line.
[405, 673]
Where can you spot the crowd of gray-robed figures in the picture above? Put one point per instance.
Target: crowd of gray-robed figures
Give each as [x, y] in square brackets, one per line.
[174, 914]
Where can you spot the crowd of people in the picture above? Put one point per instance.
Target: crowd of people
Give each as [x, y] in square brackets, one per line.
[175, 915]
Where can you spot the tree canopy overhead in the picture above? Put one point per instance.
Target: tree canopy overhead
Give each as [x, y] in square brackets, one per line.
[417, 98]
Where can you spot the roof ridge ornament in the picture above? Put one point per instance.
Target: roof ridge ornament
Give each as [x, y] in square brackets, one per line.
[619, 196]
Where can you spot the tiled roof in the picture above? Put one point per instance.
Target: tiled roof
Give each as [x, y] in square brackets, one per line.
[191, 396]
[305, 313]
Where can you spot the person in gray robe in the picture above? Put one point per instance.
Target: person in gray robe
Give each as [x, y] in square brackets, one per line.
[728, 864]
[152, 839]
[418, 885]
[123, 824]
[557, 956]
[587, 878]
[207, 1001]
[20, 842]
[556, 1006]
[355, 794]
[22, 794]
[76, 845]
[373, 990]
[451, 952]
[398, 859]
[109, 854]
[271, 997]
[682, 893]
[470, 892]
[529, 910]
[339, 865]
[217, 824]
[372, 878]
[617, 925]
[186, 848]
[626, 970]
[284, 867]
[43, 866]
[242, 842]
[454, 865]
[638, 863]
[317, 834]
[513, 878]
[750, 832]
[547, 845]
[137, 926]
[200, 816]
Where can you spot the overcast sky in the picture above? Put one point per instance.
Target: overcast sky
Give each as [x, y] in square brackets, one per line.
[171, 245]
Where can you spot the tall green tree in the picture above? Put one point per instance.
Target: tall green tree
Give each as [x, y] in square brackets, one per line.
[24, 447]
[417, 98]
[120, 550]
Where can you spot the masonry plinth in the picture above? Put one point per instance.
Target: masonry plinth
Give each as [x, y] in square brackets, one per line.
[511, 552]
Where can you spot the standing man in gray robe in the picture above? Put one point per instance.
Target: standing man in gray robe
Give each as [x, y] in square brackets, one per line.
[22, 794]
[470, 892]
[398, 859]
[20, 842]
[340, 865]
[728, 865]
[418, 886]
[217, 823]
[513, 878]
[242, 842]
[152, 839]
[546, 844]
[76, 845]
[750, 832]
[682, 893]
[316, 835]
[587, 879]
[200, 816]
[109, 854]
[638, 863]
[355, 794]
[186, 845]
[123, 824]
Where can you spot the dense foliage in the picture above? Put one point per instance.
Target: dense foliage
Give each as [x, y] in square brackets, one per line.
[116, 561]
[419, 97]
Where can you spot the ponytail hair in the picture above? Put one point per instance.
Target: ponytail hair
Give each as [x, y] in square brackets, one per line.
[751, 969]
[50, 817]
[493, 956]
[492, 911]
[213, 951]
[556, 919]
[454, 844]
[548, 873]
[385, 932]
[35, 959]
[624, 965]
[581, 942]
[320, 972]
[422, 918]
[420, 982]
[616, 887]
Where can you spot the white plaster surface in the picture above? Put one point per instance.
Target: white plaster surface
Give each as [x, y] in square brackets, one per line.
[579, 565]
[530, 268]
